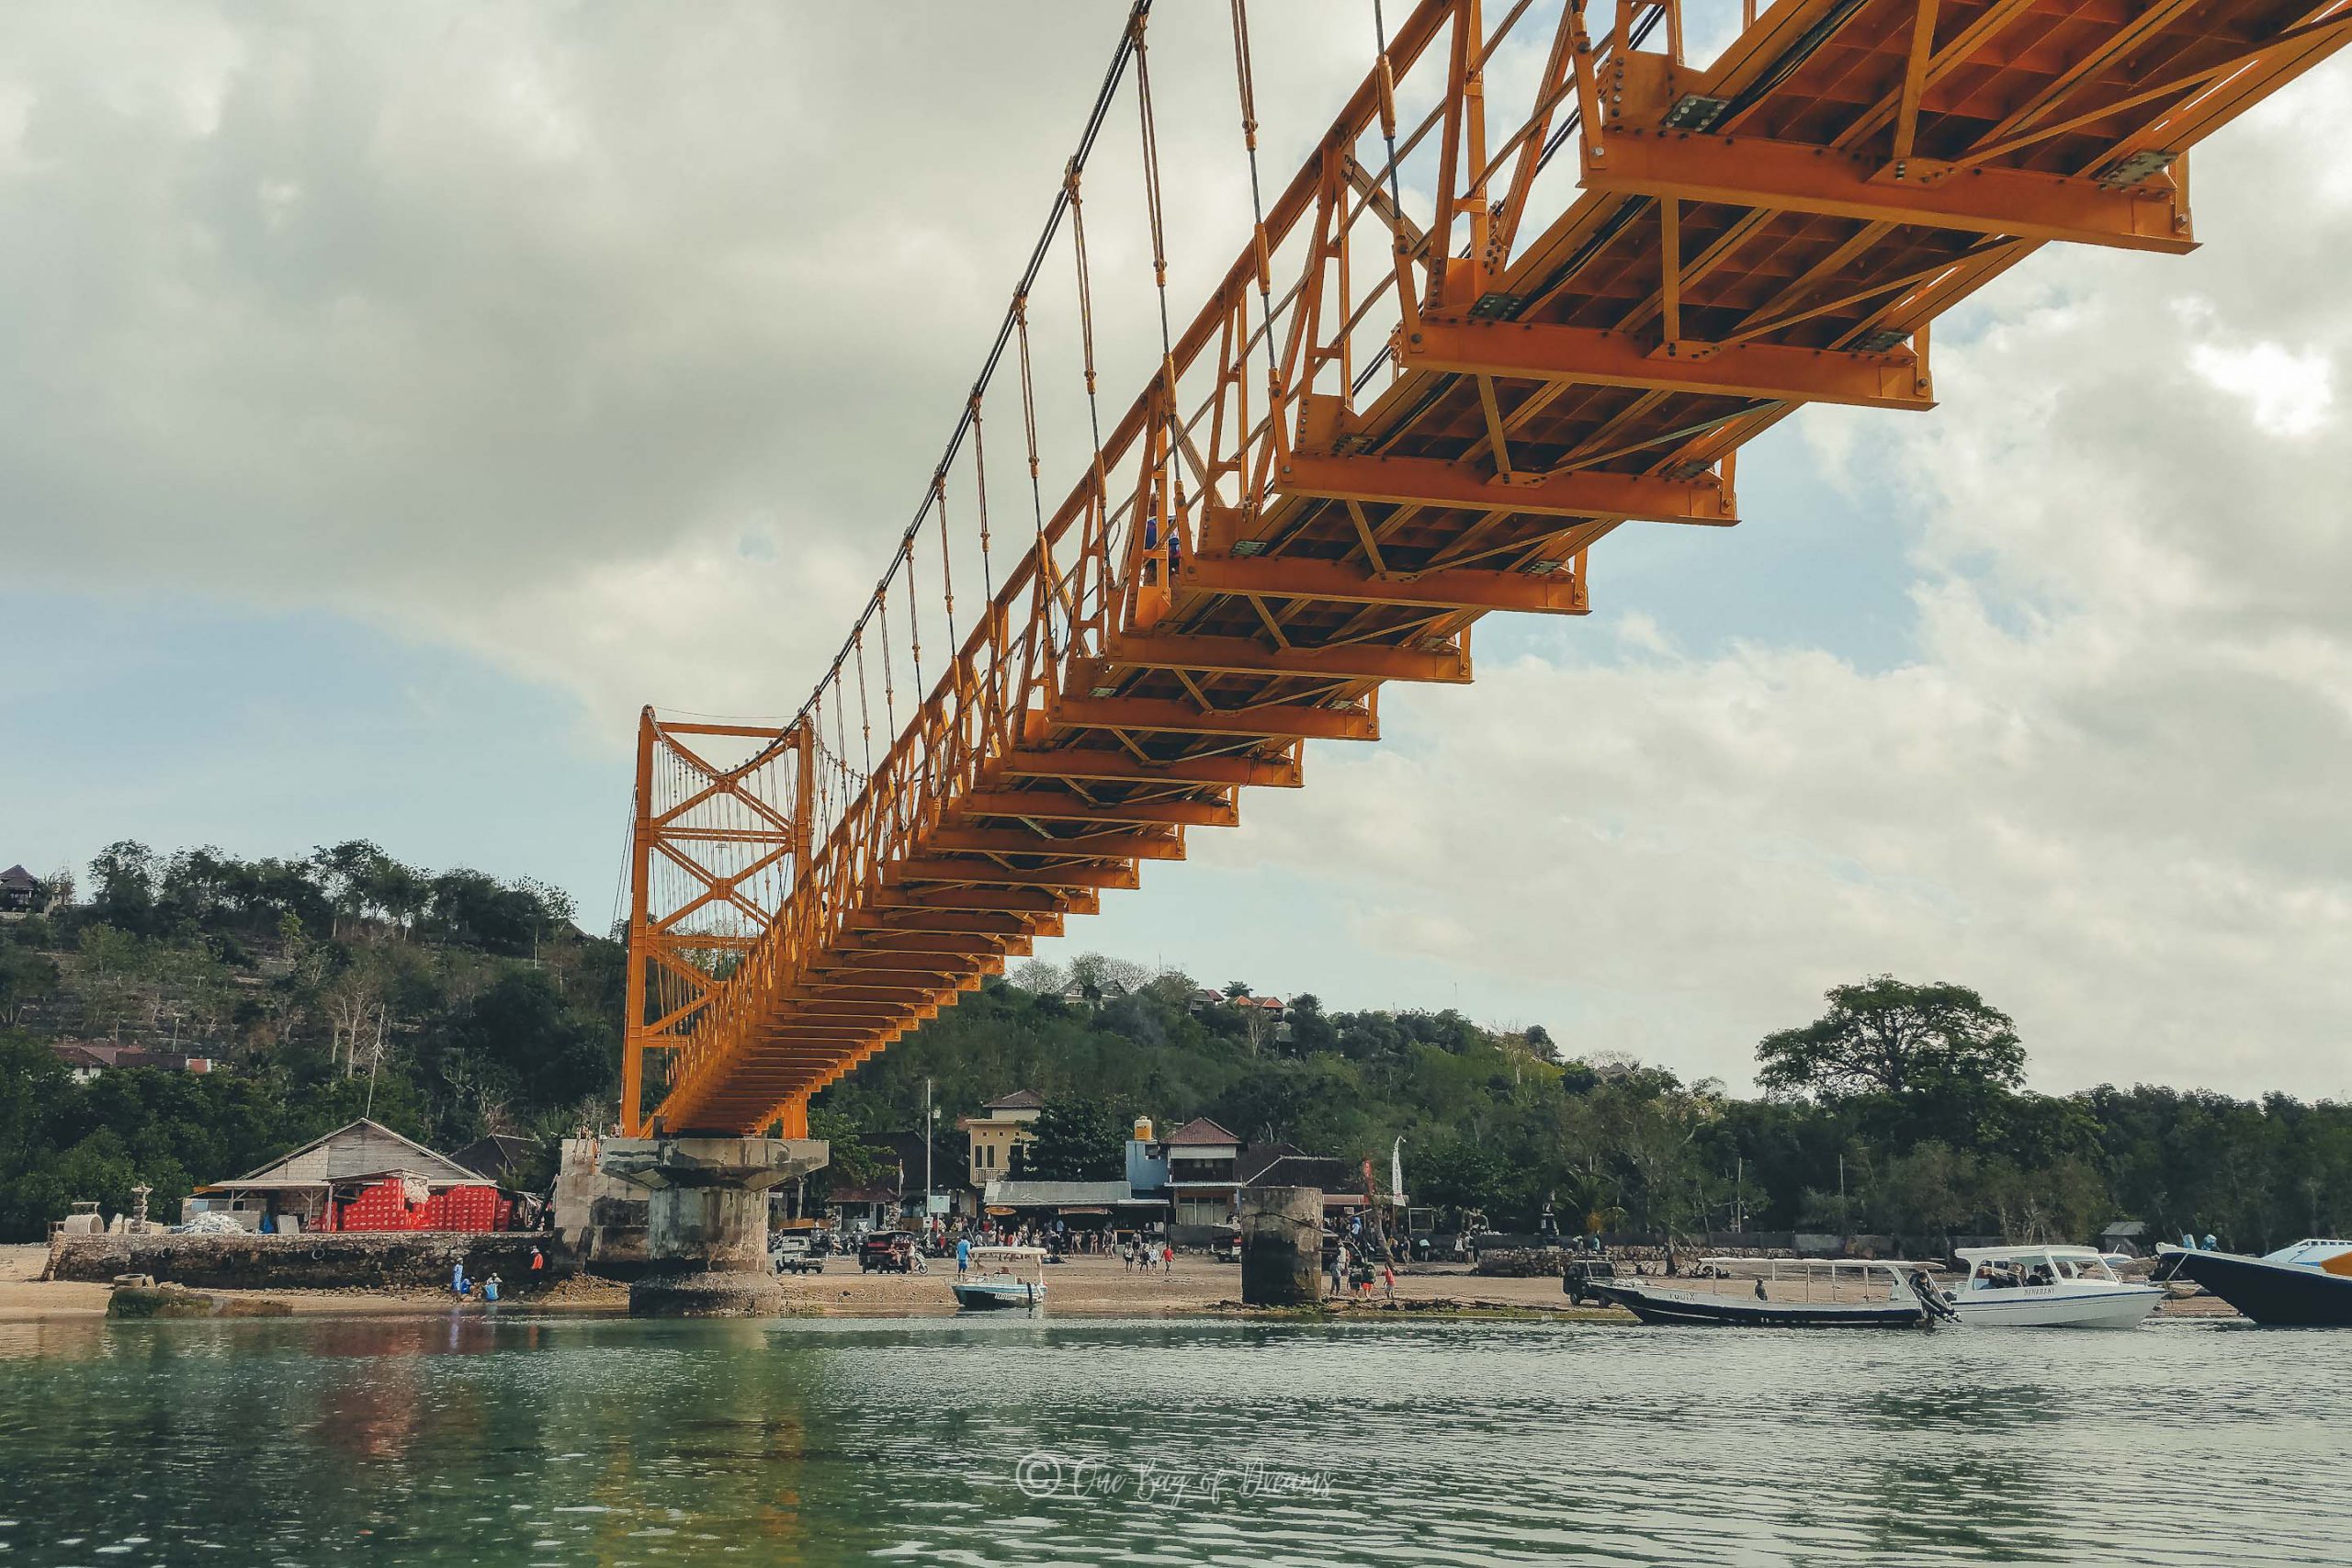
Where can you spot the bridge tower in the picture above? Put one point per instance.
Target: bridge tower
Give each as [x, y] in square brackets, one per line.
[720, 832]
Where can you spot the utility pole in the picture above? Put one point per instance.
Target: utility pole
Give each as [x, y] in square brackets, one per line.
[1844, 1224]
[375, 1063]
[930, 1135]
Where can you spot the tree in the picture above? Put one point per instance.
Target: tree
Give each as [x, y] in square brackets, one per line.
[26, 979]
[1310, 1031]
[1041, 979]
[123, 878]
[1079, 1138]
[1885, 1036]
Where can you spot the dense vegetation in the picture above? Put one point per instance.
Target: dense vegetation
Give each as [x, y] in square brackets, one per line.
[1898, 1112]
[466, 1004]
[452, 1004]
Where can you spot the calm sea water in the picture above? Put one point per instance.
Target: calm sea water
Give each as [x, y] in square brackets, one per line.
[550, 1441]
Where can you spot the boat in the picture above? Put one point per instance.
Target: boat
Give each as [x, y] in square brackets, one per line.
[2307, 1284]
[996, 1281]
[1829, 1299]
[2047, 1286]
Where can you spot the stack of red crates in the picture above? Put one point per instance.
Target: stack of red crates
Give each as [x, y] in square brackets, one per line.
[384, 1207]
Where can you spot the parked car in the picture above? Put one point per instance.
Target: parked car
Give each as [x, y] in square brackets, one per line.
[791, 1253]
[888, 1252]
[1576, 1280]
[1226, 1246]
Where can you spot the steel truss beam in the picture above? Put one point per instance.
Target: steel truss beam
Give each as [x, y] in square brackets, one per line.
[1049, 804]
[1769, 372]
[1557, 592]
[1158, 716]
[1240, 656]
[1434, 483]
[1121, 767]
[1788, 176]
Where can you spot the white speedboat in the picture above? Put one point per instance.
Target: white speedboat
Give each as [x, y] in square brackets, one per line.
[2047, 1286]
[997, 1281]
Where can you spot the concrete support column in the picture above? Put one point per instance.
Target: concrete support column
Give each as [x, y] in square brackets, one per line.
[1281, 1246]
[707, 1219]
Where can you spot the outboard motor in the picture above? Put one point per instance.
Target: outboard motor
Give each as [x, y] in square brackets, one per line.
[1938, 1306]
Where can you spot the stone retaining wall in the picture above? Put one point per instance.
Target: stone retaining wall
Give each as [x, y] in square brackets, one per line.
[322, 1260]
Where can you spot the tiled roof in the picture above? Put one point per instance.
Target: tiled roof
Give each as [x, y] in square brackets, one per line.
[1200, 1129]
[1019, 1099]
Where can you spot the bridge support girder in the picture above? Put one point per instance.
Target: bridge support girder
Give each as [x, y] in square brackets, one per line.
[1768, 372]
[1437, 482]
[1789, 177]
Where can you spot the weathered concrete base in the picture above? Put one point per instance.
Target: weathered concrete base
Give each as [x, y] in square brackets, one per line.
[322, 1260]
[602, 1218]
[1282, 1246]
[707, 1294]
[707, 1219]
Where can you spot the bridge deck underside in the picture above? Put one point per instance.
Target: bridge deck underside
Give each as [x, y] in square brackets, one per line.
[1381, 538]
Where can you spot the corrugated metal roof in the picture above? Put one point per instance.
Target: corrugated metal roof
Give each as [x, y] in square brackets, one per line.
[1057, 1194]
[364, 1148]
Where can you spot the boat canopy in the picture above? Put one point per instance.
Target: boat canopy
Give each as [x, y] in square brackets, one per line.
[1772, 1266]
[2056, 1252]
[1008, 1255]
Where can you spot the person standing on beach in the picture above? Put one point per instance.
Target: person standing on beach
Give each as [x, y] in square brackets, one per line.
[963, 1255]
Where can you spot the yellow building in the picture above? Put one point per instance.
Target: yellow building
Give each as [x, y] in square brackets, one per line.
[1003, 1125]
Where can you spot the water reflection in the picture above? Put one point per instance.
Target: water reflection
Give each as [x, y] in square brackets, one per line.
[545, 1439]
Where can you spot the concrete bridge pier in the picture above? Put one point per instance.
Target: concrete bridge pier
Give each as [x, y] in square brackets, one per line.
[1282, 1246]
[707, 1219]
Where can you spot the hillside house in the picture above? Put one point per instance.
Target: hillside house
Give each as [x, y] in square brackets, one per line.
[22, 893]
[87, 1058]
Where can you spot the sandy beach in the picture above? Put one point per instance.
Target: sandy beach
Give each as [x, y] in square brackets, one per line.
[1080, 1287]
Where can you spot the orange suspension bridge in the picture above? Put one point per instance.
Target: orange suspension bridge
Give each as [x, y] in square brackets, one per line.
[1541, 278]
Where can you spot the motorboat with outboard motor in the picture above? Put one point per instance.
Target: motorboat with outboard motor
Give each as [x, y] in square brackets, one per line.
[2308, 1284]
[2049, 1286]
[1839, 1294]
[997, 1281]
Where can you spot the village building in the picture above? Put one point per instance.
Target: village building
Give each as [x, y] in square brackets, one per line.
[1079, 1206]
[87, 1059]
[1202, 1180]
[894, 1194]
[501, 1156]
[363, 1177]
[1003, 1125]
[22, 893]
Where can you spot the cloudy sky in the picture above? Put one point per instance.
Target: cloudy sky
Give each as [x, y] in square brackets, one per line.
[394, 400]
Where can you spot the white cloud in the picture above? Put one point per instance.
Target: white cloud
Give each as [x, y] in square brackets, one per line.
[2290, 393]
[2108, 789]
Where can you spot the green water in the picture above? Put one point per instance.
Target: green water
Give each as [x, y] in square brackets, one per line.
[550, 1441]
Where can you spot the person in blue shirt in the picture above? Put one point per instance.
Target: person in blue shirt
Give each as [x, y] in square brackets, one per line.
[963, 1254]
